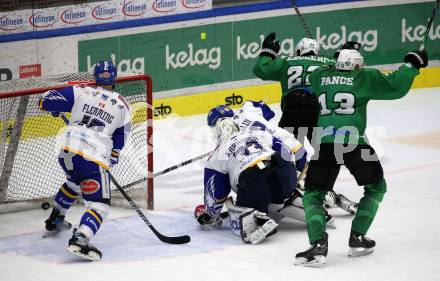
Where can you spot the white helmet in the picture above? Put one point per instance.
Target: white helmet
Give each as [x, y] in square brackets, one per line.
[349, 60]
[307, 45]
[224, 129]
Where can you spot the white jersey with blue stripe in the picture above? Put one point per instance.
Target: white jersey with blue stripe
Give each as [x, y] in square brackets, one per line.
[257, 140]
[253, 115]
[99, 122]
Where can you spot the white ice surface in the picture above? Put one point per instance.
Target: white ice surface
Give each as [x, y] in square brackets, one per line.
[406, 228]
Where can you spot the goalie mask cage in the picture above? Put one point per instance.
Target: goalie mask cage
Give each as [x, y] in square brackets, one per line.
[30, 141]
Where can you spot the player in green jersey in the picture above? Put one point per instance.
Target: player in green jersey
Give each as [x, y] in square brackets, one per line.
[300, 108]
[343, 92]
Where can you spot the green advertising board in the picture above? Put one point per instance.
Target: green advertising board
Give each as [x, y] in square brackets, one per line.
[180, 58]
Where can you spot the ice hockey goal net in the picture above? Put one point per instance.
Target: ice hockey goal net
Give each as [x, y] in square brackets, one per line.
[30, 142]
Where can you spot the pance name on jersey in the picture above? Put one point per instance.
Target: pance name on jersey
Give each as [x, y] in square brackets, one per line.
[337, 80]
[107, 117]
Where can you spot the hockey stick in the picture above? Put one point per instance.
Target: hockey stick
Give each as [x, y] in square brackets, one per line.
[184, 163]
[428, 27]
[166, 239]
[302, 20]
[169, 169]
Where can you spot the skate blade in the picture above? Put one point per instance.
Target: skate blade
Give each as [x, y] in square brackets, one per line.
[76, 250]
[317, 262]
[359, 252]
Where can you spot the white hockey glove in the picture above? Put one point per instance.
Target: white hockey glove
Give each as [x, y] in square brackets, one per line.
[206, 221]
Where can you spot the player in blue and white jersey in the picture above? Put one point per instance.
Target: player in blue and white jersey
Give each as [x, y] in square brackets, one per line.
[96, 133]
[259, 163]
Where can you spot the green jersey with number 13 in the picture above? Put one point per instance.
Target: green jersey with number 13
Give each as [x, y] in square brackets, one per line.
[343, 96]
[291, 72]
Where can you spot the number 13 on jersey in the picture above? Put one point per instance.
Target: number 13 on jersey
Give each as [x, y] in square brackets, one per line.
[346, 103]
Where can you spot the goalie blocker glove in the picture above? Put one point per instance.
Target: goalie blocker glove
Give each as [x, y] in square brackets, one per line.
[206, 220]
[418, 59]
[270, 47]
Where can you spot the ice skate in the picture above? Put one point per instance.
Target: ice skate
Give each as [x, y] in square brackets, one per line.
[315, 255]
[55, 224]
[360, 245]
[80, 246]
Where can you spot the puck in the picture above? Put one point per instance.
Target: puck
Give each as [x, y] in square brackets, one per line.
[45, 206]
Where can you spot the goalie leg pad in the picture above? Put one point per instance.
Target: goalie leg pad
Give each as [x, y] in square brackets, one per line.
[256, 226]
[251, 225]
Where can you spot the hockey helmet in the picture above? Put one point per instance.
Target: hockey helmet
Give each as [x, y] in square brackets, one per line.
[105, 73]
[217, 113]
[307, 46]
[349, 60]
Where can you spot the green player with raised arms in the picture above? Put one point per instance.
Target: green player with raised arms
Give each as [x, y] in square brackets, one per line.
[300, 108]
[343, 92]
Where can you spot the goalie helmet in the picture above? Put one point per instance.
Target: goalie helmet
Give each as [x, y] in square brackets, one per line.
[307, 46]
[349, 60]
[224, 129]
[217, 113]
[105, 73]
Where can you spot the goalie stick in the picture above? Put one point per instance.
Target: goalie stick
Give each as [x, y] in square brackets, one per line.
[302, 20]
[166, 239]
[428, 27]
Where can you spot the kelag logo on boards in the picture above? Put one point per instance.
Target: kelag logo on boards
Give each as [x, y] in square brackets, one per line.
[74, 16]
[134, 9]
[193, 4]
[102, 12]
[42, 20]
[416, 33]
[164, 6]
[11, 22]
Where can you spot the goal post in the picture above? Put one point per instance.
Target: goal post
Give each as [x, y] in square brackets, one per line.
[30, 142]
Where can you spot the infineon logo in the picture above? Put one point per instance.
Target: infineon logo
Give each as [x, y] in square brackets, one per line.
[164, 6]
[193, 4]
[42, 20]
[73, 16]
[11, 22]
[101, 12]
[134, 9]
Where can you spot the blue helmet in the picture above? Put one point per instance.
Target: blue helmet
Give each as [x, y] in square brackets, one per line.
[105, 73]
[219, 112]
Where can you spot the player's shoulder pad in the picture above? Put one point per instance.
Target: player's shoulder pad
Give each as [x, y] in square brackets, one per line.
[267, 113]
[58, 94]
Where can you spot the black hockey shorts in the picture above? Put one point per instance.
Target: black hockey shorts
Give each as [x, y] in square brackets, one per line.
[362, 162]
[300, 110]
[273, 183]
